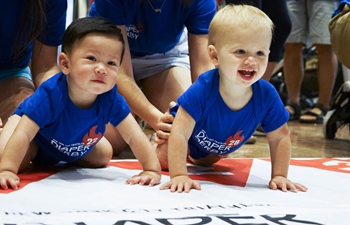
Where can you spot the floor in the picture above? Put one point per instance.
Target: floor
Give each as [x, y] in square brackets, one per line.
[307, 142]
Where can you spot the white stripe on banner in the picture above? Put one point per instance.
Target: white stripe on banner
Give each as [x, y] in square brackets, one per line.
[234, 191]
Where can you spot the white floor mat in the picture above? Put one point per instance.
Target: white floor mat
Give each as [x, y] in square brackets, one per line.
[234, 191]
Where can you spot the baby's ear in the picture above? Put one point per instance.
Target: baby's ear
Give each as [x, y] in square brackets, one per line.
[213, 54]
[63, 63]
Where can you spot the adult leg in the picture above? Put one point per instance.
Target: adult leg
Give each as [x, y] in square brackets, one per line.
[166, 86]
[98, 157]
[326, 74]
[320, 14]
[293, 65]
[327, 71]
[13, 91]
[293, 68]
[277, 10]
[160, 89]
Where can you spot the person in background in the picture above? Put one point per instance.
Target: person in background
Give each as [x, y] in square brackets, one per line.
[310, 20]
[278, 12]
[165, 52]
[65, 118]
[223, 108]
[339, 28]
[31, 34]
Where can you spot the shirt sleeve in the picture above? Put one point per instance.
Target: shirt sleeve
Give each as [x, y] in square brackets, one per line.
[203, 12]
[276, 114]
[192, 100]
[56, 11]
[119, 110]
[39, 107]
[112, 10]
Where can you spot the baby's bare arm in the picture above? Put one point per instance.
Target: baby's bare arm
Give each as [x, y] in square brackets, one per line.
[20, 133]
[143, 151]
[280, 152]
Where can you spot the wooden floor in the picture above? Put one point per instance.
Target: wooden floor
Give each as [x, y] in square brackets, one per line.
[307, 142]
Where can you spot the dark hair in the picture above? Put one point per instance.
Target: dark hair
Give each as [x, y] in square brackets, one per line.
[32, 24]
[81, 27]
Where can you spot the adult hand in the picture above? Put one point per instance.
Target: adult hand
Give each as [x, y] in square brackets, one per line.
[181, 183]
[164, 125]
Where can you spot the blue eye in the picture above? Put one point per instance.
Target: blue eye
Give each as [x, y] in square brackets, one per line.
[240, 51]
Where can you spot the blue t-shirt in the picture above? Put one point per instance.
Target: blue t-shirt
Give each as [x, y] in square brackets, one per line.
[220, 130]
[152, 32]
[341, 6]
[67, 132]
[10, 17]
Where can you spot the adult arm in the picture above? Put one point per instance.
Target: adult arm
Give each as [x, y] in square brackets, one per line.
[43, 63]
[199, 57]
[127, 87]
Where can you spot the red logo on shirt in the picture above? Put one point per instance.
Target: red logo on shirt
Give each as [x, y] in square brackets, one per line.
[91, 138]
[234, 140]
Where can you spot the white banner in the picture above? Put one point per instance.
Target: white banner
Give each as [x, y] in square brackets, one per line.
[234, 191]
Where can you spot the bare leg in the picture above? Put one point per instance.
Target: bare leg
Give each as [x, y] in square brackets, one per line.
[293, 72]
[166, 86]
[208, 160]
[13, 92]
[326, 71]
[98, 157]
[162, 153]
[160, 89]
[269, 70]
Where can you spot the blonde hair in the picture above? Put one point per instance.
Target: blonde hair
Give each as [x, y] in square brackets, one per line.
[232, 18]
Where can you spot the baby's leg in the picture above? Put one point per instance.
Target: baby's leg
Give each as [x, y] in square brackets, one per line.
[98, 157]
[208, 160]
[162, 153]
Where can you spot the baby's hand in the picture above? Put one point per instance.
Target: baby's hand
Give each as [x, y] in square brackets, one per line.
[145, 177]
[9, 179]
[280, 182]
[181, 184]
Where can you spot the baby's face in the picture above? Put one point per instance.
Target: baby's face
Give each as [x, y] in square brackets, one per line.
[94, 63]
[243, 56]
